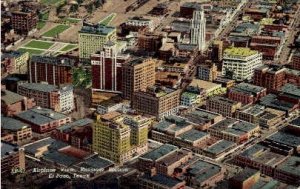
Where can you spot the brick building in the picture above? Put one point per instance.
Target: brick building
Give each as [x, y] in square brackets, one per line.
[273, 77]
[156, 101]
[296, 61]
[42, 120]
[223, 106]
[24, 21]
[13, 103]
[137, 74]
[60, 99]
[246, 93]
[12, 158]
[267, 45]
[20, 131]
[53, 70]
[207, 71]
[107, 69]
[149, 42]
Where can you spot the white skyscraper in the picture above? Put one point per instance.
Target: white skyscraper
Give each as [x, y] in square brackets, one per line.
[198, 29]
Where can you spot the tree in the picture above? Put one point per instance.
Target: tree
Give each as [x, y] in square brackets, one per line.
[90, 8]
[74, 8]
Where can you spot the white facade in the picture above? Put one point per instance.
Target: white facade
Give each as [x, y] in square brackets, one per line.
[66, 99]
[198, 30]
[141, 22]
[241, 66]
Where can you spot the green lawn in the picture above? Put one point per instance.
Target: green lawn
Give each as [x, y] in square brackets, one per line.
[108, 19]
[72, 20]
[31, 51]
[51, 2]
[68, 47]
[40, 24]
[39, 44]
[56, 30]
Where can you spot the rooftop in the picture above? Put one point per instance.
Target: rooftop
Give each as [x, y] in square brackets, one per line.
[296, 122]
[97, 29]
[239, 52]
[204, 84]
[171, 124]
[291, 89]
[254, 109]
[234, 126]
[45, 87]
[204, 170]
[7, 149]
[245, 174]
[271, 100]
[60, 158]
[159, 152]
[34, 147]
[286, 138]
[96, 162]
[193, 5]
[248, 89]
[220, 147]
[40, 116]
[174, 157]
[8, 123]
[78, 123]
[192, 135]
[223, 100]
[166, 181]
[52, 60]
[291, 165]
[9, 97]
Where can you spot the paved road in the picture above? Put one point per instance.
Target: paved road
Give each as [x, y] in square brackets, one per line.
[286, 50]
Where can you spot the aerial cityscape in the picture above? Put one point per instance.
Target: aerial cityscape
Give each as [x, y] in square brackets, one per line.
[150, 94]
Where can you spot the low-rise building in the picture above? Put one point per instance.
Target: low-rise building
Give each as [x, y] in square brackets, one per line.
[14, 62]
[246, 93]
[60, 99]
[71, 133]
[258, 114]
[260, 157]
[207, 71]
[203, 119]
[20, 131]
[234, 130]
[12, 159]
[223, 106]
[160, 181]
[244, 179]
[288, 171]
[42, 120]
[13, 103]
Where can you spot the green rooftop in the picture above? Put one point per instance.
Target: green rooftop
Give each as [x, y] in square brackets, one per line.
[239, 51]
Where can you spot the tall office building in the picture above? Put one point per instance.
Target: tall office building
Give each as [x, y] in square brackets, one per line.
[121, 137]
[53, 70]
[24, 21]
[137, 75]
[107, 69]
[198, 29]
[93, 37]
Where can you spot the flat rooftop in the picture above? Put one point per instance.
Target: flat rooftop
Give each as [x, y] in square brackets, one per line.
[245, 174]
[96, 162]
[9, 97]
[223, 100]
[7, 149]
[160, 179]
[204, 84]
[192, 135]
[40, 116]
[291, 165]
[254, 109]
[97, 29]
[285, 138]
[171, 124]
[174, 157]
[200, 116]
[239, 52]
[262, 154]
[248, 89]
[52, 60]
[204, 170]
[78, 123]
[45, 87]
[220, 147]
[11, 124]
[291, 89]
[159, 152]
